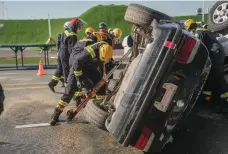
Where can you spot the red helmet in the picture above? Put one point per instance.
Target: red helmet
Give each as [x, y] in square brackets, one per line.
[74, 21]
[78, 23]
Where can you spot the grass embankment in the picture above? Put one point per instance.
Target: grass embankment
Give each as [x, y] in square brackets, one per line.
[36, 31]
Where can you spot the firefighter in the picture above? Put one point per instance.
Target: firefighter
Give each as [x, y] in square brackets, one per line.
[104, 33]
[65, 26]
[103, 25]
[115, 33]
[89, 39]
[67, 41]
[83, 74]
[90, 34]
[218, 91]
[108, 37]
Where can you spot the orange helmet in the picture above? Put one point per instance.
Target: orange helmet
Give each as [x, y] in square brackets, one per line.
[89, 30]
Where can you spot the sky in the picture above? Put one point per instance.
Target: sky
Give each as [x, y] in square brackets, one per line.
[63, 9]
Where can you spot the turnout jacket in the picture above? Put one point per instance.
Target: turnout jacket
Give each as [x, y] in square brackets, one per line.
[78, 48]
[87, 58]
[67, 41]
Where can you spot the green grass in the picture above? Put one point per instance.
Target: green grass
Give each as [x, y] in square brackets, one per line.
[36, 31]
[27, 60]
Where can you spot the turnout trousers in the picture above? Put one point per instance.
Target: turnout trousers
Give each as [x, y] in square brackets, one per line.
[62, 70]
[63, 67]
[94, 77]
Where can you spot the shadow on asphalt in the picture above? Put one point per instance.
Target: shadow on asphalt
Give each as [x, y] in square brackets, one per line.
[201, 134]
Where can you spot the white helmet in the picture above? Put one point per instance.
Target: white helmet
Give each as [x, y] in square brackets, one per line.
[66, 24]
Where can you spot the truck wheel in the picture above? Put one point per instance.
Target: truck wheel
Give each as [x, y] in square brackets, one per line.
[218, 17]
[142, 15]
[94, 114]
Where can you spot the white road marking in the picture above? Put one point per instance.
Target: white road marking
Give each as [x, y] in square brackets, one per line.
[33, 125]
[8, 73]
[4, 77]
[23, 88]
[43, 124]
[22, 79]
[33, 83]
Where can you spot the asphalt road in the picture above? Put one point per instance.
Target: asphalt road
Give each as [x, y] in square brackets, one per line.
[29, 101]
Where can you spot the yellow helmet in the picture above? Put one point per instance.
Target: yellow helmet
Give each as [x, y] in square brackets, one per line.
[117, 32]
[106, 52]
[98, 36]
[89, 30]
[188, 23]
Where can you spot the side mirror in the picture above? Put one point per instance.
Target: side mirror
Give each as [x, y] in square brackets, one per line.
[127, 41]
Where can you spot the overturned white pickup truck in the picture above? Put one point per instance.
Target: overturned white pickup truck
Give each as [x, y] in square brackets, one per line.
[159, 86]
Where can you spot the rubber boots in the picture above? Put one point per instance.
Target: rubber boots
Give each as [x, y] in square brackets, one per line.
[55, 117]
[52, 84]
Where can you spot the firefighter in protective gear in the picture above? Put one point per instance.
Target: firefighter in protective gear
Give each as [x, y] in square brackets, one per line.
[115, 35]
[110, 30]
[67, 41]
[107, 37]
[104, 33]
[116, 32]
[89, 31]
[220, 89]
[97, 35]
[90, 34]
[65, 26]
[83, 73]
[78, 48]
[103, 25]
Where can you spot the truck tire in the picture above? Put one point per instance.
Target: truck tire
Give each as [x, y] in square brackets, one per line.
[95, 115]
[218, 17]
[142, 15]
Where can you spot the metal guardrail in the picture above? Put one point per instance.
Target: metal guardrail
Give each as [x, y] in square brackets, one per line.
[45, 48]
[21, 47]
